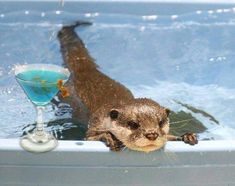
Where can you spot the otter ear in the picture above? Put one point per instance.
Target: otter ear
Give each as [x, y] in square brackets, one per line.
[167, 111]
[113, 114]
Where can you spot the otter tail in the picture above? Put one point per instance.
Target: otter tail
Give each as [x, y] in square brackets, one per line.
[73, 50]
[94, 88]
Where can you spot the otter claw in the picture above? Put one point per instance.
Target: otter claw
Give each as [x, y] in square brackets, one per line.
[190, 138]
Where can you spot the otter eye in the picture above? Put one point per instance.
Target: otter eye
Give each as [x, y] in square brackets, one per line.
[133, 125]
[161, 123]
[114, 114]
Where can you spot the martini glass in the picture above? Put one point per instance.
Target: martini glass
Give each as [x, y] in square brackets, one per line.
[40, 84]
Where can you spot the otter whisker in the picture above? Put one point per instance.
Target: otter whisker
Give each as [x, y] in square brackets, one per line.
[101, 131]
[124, 148]
[181, 121]
[179, 127]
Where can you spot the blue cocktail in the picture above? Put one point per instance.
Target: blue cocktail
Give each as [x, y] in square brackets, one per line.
[40, 83]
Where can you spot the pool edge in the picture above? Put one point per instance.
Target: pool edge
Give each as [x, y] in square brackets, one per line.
[96, 146]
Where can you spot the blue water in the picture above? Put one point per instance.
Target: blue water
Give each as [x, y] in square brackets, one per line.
[186, 58]
[40, 85]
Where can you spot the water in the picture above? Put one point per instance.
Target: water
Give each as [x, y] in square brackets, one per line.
[40, 85]
[184, 62]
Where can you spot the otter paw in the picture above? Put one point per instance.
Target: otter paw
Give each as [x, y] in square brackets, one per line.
[117, 146]
[190, 138]
[113, 143]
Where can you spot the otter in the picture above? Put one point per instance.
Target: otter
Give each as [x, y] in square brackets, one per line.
[115, 116]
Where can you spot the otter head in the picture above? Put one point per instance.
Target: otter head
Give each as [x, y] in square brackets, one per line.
[142, 125]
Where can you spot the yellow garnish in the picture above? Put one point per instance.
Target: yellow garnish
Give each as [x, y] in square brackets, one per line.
[63, 90]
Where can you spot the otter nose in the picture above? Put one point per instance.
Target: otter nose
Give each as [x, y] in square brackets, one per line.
[151, 136]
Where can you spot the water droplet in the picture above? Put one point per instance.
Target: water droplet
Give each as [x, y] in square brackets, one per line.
[2, 15]
[210, 11]
[218, 59]
[150, 17]
[227, 10]
[142, 28]
[198, 12]
[174, 17]
[96, 14]
[58, 12]
[88, 15]
[219, 11]
[211, 59]
[26, 12]
[43, 14]
[177, 67]
[91, 14]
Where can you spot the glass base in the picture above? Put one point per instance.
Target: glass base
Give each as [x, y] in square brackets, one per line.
[38, 141]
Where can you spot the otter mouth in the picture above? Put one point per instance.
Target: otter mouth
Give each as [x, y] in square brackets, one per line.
[146, 148]
[150, 146]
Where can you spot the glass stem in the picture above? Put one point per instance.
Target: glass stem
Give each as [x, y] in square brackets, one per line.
[40, 123]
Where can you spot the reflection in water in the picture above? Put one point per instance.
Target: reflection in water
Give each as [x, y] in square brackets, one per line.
[184, 62]
[195, 110]
[64, 129]
[182, 122]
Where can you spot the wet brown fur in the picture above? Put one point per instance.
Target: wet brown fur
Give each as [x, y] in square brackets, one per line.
[113, 110]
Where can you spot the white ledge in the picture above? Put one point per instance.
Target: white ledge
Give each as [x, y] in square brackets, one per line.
[96, 146]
